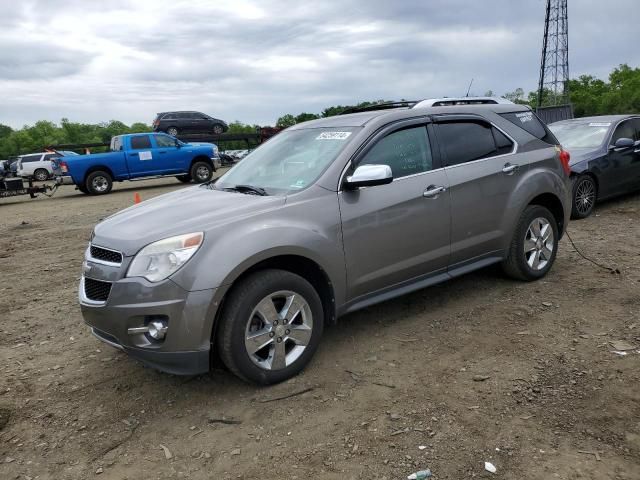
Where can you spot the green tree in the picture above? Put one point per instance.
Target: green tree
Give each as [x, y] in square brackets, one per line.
[286, 121]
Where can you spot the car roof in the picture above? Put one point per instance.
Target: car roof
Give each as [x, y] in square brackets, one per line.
[596, 118]
[360, 119]
[180, 111]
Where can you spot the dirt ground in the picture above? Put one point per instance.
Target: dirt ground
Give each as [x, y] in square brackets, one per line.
[522, 375]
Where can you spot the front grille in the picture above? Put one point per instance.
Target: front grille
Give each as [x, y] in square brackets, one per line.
[105, 255]
[96, 290]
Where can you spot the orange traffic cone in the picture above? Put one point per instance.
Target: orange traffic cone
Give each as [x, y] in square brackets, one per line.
[136, 198]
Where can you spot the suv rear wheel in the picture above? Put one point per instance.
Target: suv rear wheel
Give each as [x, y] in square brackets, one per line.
[534, 245]
[41, 174]
[173, 131]
[218, 129]
[270, 327]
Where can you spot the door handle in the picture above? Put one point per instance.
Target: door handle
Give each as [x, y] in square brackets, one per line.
[432, 191]
[163, 151]
[509, 168]
[133, 154]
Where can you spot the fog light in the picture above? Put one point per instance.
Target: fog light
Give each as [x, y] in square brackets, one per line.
[157, 329]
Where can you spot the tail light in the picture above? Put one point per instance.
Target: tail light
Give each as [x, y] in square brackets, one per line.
[156, 122]
[64, 167]
[564, 157]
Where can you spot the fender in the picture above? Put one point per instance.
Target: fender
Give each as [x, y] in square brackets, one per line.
[534, 183]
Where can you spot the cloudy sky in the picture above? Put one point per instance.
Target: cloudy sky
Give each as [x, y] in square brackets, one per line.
[253, 60]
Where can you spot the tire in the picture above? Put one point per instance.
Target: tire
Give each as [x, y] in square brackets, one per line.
[241, 318]
[98, 183]
[184, 178]
[522, 265]
[218, 129]
[583, 197]
[173, 131]
[41, 175]
[201, 172]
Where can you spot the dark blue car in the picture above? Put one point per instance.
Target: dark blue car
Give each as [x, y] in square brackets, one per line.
[605, 157]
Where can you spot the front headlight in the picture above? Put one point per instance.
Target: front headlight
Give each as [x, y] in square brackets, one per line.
[160, 259]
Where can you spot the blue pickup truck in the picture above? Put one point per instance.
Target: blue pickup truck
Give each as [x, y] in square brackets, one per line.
[137, 156]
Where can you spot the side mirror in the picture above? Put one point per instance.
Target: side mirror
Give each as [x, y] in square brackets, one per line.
[369, 176]
[623, 144]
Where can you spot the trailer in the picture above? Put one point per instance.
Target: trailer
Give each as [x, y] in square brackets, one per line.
[15, 186]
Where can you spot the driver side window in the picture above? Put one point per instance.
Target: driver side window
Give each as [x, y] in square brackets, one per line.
[624, 130]
[407, 152]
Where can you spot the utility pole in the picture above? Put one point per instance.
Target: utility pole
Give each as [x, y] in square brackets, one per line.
[554, 65]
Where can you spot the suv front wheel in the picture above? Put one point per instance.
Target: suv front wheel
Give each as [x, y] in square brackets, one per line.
[534, 245]
[270, 327]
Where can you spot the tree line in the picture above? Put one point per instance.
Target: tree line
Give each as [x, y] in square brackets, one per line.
[620, 93]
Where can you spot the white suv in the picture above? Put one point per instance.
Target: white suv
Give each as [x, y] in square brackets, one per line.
[36, 165]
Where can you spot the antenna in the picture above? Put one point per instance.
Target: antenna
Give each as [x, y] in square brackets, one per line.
[554, 65]
[469, 89]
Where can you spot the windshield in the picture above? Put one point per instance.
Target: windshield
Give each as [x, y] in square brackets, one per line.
[580, 135]
[290, 161]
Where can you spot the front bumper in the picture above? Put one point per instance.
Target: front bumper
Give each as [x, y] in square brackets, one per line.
[217, 163]
[134, 302]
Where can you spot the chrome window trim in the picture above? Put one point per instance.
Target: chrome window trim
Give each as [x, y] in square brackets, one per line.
[516, 145]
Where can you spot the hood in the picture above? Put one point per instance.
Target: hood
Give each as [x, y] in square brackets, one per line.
[581, 154]
[188, 210]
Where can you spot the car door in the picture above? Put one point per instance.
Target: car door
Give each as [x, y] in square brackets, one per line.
[621, 167]
[202, 123]
[396, 233]
[140, 156]
[482, 171]
[170, 158]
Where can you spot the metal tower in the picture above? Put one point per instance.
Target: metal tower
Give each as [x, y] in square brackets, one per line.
[553, 87]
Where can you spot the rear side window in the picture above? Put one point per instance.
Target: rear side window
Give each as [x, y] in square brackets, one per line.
[31, 158]
[468, 141]
[530, 123]
[169, 116]
[140, 142]
[49, 156]
[407, 152]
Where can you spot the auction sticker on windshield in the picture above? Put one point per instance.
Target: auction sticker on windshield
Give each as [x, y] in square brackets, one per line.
[599, 124]
[333, 136]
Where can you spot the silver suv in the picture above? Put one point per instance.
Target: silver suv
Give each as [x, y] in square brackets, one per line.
[328, 217]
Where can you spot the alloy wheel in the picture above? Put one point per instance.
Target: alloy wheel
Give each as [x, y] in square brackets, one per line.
[585, 196]
[539, 244]
[278, 330]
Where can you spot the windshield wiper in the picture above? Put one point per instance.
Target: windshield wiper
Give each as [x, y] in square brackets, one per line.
[249, 189]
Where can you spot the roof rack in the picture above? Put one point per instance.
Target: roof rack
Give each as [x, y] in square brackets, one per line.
[381, 106]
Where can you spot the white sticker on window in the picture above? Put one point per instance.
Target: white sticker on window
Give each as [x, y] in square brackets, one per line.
[600, 124]
[525, 117]
[333, 136]
[145, 156]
